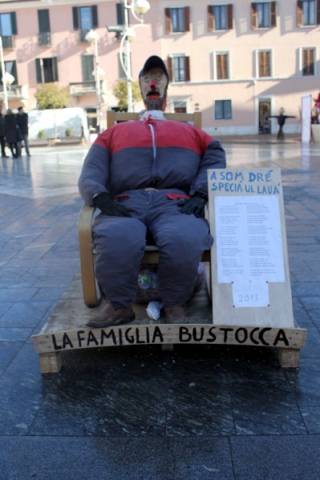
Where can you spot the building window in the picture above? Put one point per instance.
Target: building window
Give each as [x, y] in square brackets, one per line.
[8, 24]
[307, 12]
[177, 19]
[222, 110]
[264, 63]
[263, 14]
[46, 70]
[220, 17]
[10, 66]
[308, 61]
[179, 68]
[8, 28]
[222, 66]
[44, 27]
[92, 119]
[180, 106]
[85, 18]
[87, 68]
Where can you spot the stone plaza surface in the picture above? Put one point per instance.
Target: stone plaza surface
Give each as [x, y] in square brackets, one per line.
[138, 412]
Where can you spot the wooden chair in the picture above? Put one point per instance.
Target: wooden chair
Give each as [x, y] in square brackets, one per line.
[91, 292]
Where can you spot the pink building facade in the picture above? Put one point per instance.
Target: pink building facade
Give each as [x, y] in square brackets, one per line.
[236, 61]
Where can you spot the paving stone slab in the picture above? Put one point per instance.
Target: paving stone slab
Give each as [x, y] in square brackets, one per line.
[273, 458]
[80, 458]
[20, 393]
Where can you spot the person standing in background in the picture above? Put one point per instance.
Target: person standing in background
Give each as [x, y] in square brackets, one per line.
[2, 137]
[23, 123]
[12, 133]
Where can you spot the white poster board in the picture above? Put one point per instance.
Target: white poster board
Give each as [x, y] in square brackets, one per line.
[54, 123]
[250, 276]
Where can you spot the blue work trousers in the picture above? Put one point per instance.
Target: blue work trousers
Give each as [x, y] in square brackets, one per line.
[120, 243]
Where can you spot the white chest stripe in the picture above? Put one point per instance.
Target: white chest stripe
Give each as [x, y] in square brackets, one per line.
[153, 136]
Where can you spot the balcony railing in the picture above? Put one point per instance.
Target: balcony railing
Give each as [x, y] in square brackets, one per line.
[44, 38]
[14, 91]
[81, 88]
[7, 41]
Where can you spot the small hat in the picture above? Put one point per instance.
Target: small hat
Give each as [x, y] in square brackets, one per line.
[154, 62]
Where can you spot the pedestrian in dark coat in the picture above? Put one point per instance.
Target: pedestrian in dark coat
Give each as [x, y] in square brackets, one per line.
[2, 137]
[23, 122]
[12, 133]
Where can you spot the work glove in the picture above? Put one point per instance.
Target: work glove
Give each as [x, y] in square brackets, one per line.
[194, 205]
[108, 206]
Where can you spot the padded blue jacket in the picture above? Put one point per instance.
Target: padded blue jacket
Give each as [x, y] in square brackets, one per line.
[148, 153]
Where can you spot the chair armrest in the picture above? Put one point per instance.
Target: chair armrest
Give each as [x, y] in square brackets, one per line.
[89, 285]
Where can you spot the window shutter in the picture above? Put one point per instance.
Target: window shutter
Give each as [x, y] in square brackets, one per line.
[55, 69]
[210, 19]
[264, 64]
[187, 19]
[222, 66]
[304, 62]
[312, 61]
[94, 13]
[168, 22]
[299, 13]
[230, 16]
[14, 72]
[253, 15]
[169, 65]
[87, 68]
[267, 64]
[75, 15]
[218, 60]
[226, 65]
[273, 14]
[318, 12]
[227, 109]
[120, 13]
[187, 68]
[218, 110]
[261, 64]
[38, 71]
[14, 23]
[43, 21]
[308, 61]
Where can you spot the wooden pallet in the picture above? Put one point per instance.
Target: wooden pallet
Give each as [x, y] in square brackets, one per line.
[66, 330]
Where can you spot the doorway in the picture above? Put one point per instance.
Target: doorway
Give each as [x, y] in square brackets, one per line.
[264, 115]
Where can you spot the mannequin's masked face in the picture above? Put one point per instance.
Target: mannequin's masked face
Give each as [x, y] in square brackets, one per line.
[153, 87]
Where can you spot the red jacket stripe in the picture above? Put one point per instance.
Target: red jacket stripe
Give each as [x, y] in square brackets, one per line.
[167, 134]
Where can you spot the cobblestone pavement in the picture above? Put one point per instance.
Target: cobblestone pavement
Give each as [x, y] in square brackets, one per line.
[140, 413]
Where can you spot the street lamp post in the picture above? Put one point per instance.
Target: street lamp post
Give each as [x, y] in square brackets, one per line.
[92, 37]
[5, 91]
[138, 9]
[128, 72]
